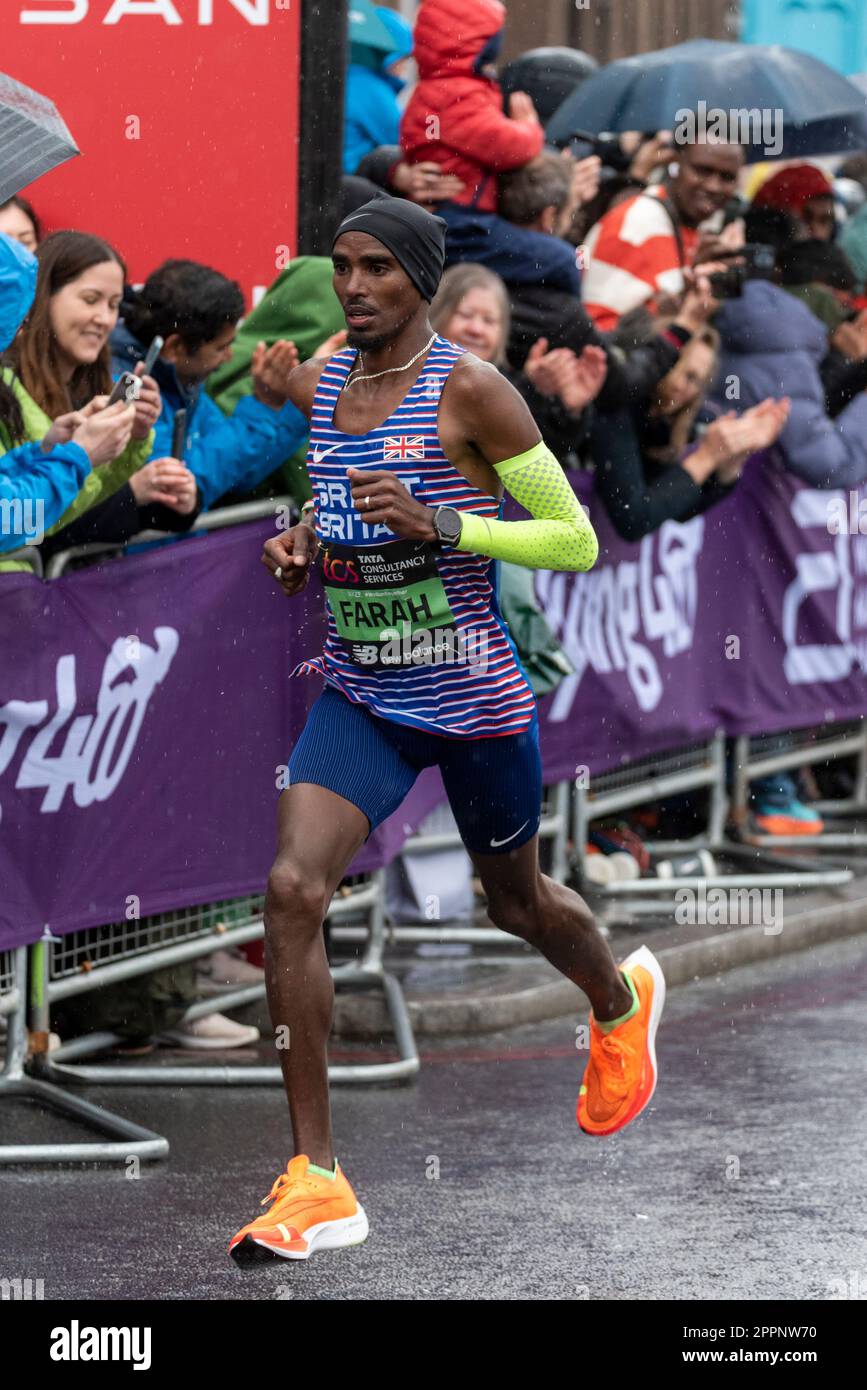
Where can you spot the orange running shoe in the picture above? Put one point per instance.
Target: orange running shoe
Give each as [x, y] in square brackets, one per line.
[621, 1074]
[310, 1213]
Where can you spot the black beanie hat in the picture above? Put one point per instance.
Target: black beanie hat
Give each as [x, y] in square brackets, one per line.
[415, 237]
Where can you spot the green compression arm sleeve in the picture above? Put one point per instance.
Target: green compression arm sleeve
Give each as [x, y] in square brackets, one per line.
[559, 538]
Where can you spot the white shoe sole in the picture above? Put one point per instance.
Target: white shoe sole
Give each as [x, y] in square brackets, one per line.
[328, 1235]
[208, 1044]
[645, 957]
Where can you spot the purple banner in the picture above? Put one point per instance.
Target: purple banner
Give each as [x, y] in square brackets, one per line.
[751, 618]
[145, 714]
[146, 711]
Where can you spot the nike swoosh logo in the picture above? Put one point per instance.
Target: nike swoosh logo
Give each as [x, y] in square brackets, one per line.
[318, 456]
[496, 843]
[292, 1207]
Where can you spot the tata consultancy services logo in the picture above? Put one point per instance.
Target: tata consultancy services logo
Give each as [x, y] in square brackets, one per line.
[113, 11]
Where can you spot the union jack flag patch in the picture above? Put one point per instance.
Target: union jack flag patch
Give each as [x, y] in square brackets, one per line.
[404, 446]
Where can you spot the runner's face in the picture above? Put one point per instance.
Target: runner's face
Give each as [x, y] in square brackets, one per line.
[376, 294]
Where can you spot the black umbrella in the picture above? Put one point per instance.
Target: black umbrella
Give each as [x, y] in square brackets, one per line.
[33, 137]
[822, 112]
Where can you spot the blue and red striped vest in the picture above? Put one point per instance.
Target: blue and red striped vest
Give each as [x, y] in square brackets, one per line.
[414, 629]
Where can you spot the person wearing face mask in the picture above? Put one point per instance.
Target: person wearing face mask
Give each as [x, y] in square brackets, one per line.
[40, 480]
[57, 368]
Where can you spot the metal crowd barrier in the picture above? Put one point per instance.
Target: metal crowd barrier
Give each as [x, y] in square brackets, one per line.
[33, 556]
[761, 755]
[132, 949]
[85, 961]
[653, 778]
[667, 774]
[208, 521]
[22, 1080]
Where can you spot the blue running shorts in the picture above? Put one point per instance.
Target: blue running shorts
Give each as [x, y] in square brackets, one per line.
[494, 785]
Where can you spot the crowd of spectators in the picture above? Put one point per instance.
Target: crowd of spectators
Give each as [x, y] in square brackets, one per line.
[618, 286]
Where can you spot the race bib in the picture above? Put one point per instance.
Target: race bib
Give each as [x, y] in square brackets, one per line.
[388, 603]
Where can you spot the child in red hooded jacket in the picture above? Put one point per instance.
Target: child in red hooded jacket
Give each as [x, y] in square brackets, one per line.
[455, 115]
[455, 118]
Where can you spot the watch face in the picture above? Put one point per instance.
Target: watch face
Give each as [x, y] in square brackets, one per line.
[448, 524]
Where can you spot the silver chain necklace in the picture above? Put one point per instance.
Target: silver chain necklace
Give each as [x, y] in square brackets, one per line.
[358, 373]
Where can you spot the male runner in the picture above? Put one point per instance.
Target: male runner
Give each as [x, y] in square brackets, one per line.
[412, 441]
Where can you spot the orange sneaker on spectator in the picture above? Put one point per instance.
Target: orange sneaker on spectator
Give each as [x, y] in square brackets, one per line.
[785, 816]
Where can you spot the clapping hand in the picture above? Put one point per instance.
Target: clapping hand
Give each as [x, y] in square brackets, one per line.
[575, 380]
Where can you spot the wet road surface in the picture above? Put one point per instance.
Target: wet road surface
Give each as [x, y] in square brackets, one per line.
[744, 1180]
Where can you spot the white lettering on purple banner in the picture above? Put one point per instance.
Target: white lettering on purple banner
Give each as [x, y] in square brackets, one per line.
[606, 619]
[97, 747]
[816, 572]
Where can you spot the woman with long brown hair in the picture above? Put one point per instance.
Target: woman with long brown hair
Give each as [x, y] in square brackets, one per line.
[61, 356]
[60, 363]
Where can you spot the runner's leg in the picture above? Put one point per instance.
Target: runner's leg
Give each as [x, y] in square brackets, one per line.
[494, 787]
[346, 776]
[526, 903]
[318, 835]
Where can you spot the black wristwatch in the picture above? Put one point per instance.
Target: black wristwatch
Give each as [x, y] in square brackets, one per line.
[447, 523]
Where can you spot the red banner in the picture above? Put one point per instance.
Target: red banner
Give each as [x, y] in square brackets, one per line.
[186, 114]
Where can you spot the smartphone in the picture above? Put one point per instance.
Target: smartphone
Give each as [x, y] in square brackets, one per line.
[153, 353]
[179, 434]
[127, 388]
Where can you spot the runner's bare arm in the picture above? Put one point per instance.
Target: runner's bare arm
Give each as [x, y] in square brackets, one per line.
[303, 382]
[498, 428]
[292, 552]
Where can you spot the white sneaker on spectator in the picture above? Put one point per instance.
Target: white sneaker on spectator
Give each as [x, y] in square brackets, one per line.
[211, 1031]
[224, 968]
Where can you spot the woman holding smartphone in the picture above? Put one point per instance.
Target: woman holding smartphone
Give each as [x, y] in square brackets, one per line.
[60, 364]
